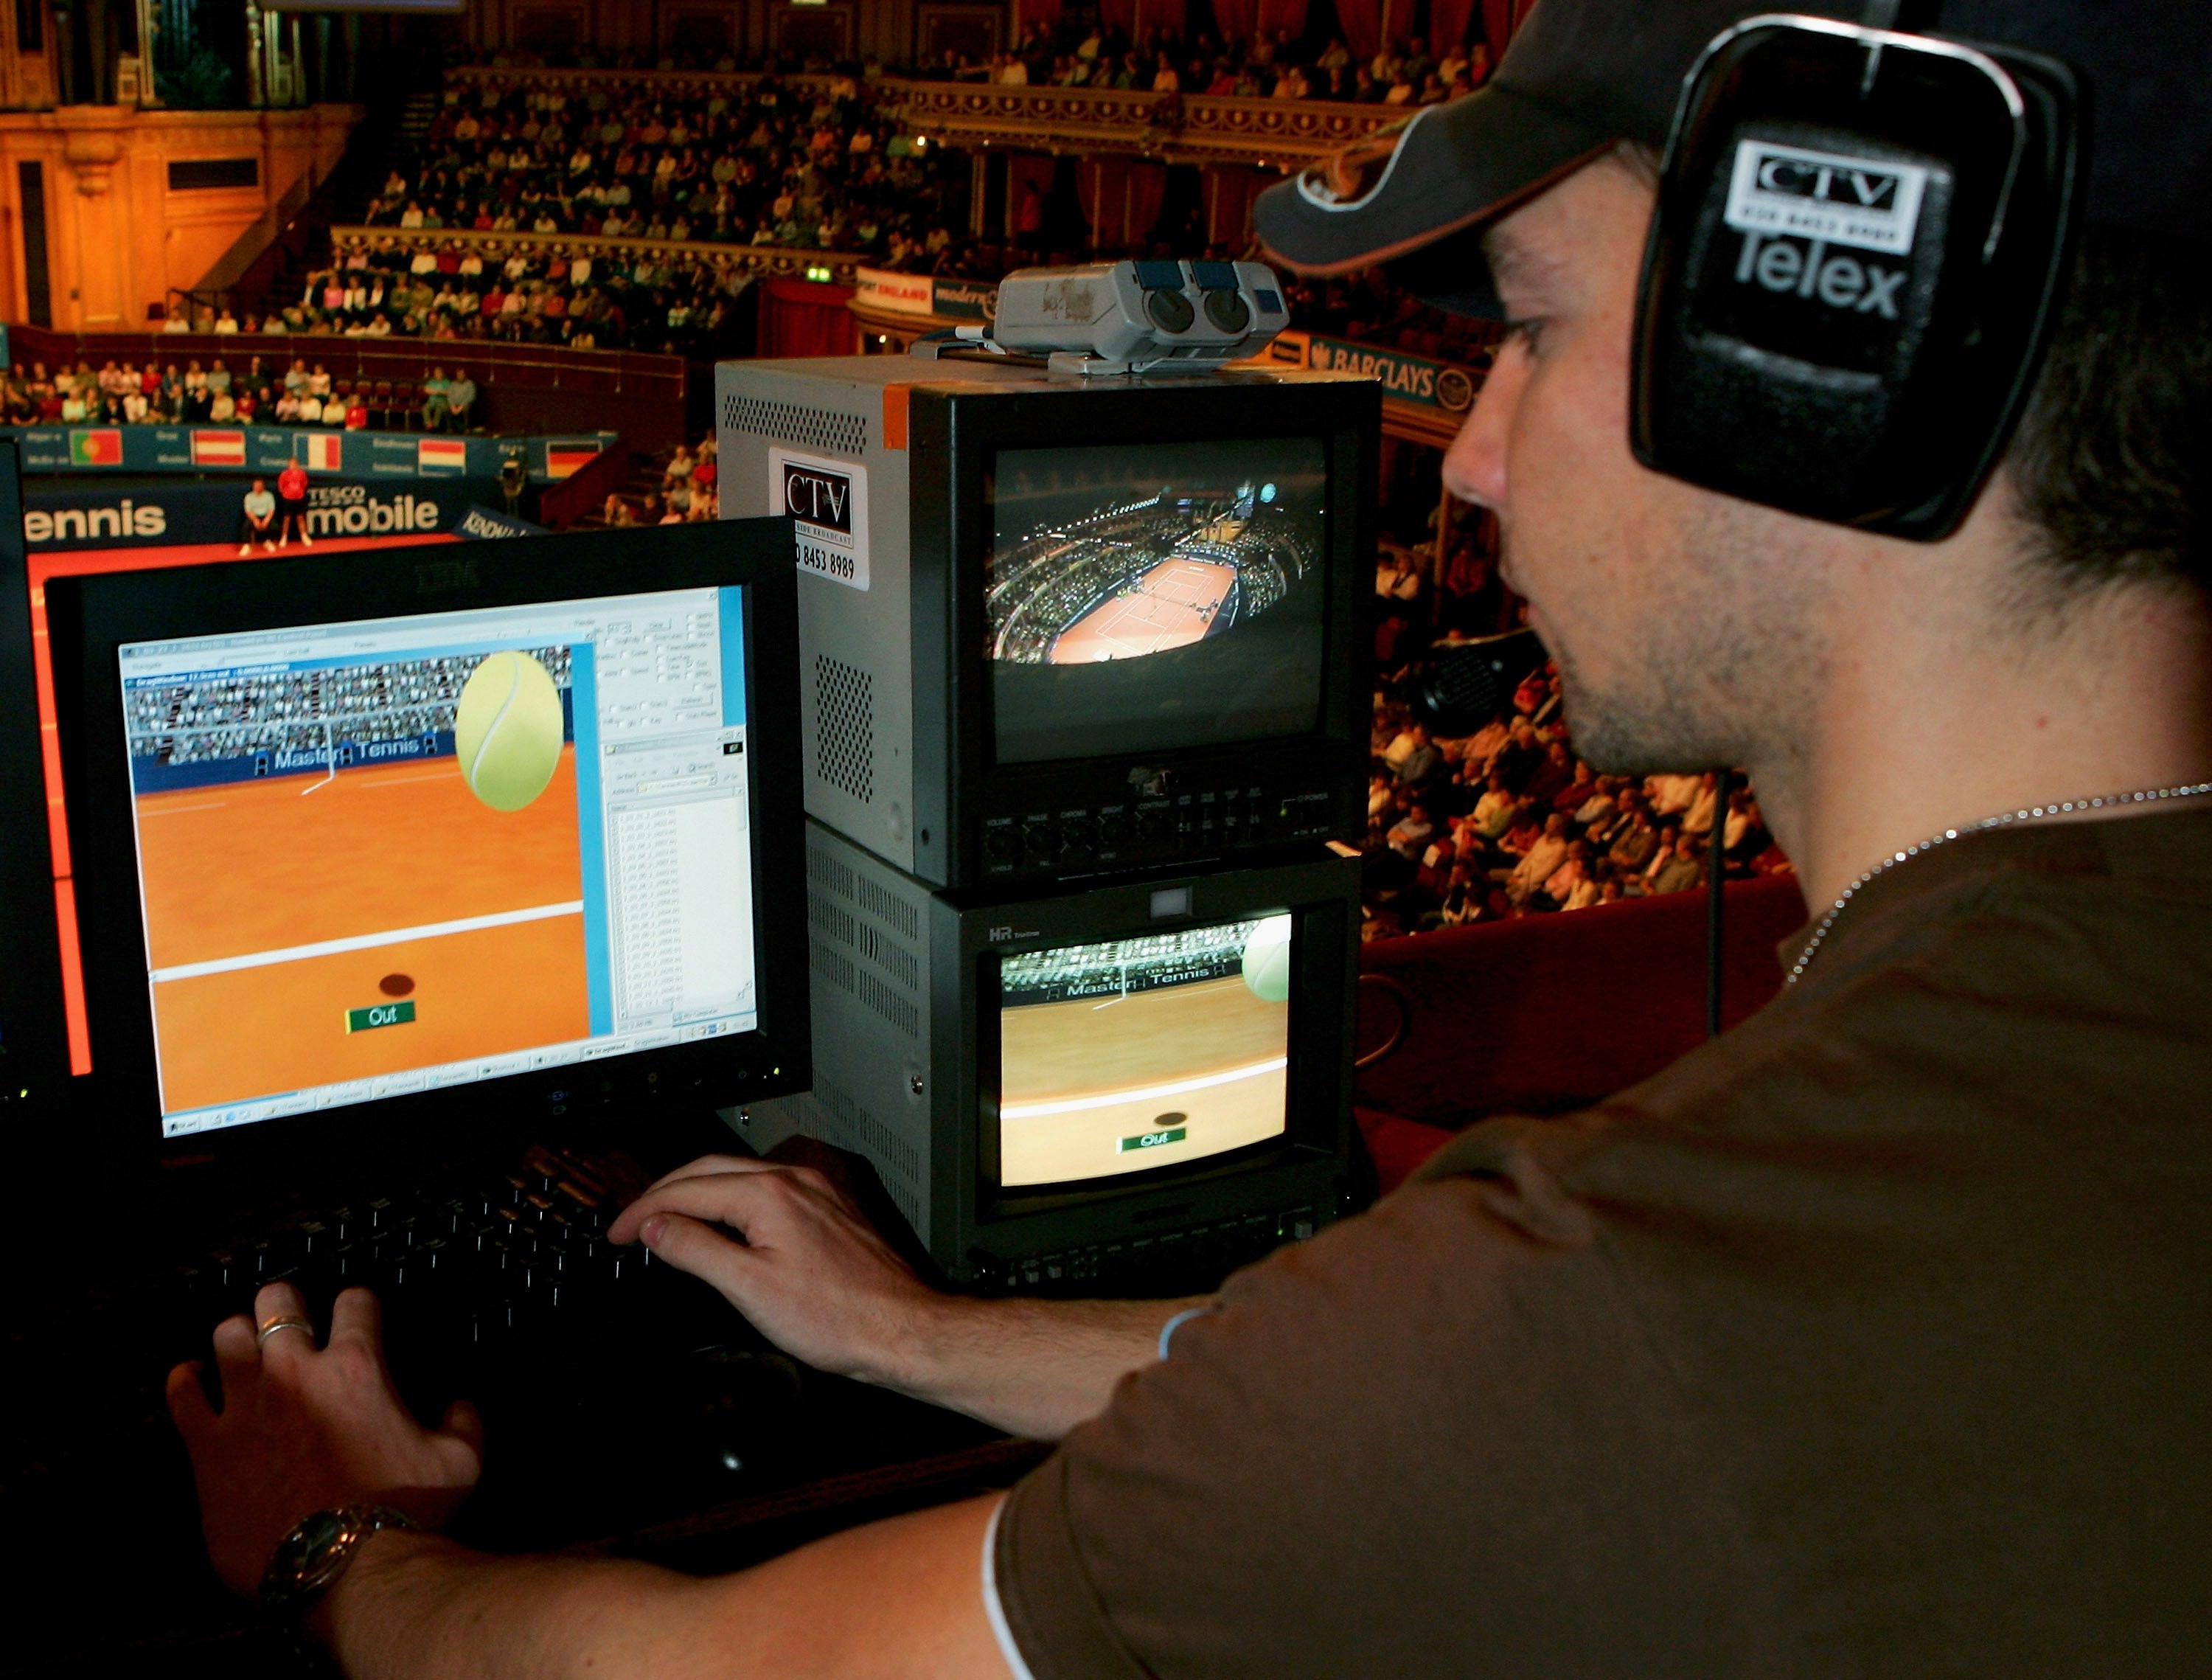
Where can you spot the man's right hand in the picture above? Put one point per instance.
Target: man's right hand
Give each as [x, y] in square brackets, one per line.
[805, 1268]
[809, 1272]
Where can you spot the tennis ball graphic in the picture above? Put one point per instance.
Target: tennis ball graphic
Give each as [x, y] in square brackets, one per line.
[1267, 960]
[507, 730]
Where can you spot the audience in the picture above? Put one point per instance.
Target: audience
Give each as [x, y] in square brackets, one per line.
[1507, 822]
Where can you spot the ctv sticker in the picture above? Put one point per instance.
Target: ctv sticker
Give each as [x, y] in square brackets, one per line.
[1854, 201]
[830, 500]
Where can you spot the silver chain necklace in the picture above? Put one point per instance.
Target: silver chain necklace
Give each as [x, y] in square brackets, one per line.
[2003, 820]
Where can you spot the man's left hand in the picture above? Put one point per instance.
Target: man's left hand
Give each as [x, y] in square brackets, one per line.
[304, 1429]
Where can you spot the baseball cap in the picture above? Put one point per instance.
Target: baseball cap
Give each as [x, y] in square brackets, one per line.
[1583, 74]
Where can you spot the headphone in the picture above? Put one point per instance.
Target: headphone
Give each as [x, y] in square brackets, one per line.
[1861, 243]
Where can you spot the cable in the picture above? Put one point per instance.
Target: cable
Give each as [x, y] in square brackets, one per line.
[1716, 886]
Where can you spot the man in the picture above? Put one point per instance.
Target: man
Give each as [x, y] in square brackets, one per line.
[1869, 1339]
[1538, 862]
[258, 520]
[460, 398]
[292, 505]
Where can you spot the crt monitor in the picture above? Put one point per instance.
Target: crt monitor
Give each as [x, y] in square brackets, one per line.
[436, 843]
[1081, 1082]
[1060, 630]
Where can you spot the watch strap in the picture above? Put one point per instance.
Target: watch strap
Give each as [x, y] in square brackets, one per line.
[321, 1546]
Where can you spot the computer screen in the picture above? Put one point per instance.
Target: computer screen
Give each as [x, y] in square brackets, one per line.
[1137, 1053]
[1145, 597]
[385, 855]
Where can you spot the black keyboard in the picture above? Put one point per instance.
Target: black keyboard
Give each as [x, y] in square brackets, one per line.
[474, 1265]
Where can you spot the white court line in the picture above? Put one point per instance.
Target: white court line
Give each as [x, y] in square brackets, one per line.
[178, 810]
[405, 780]
[1148, 1094]
[332, 947]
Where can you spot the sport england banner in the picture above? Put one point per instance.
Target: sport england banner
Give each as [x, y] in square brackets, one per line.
[65, 516]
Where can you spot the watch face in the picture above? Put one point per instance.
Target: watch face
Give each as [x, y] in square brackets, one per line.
[306, 1544]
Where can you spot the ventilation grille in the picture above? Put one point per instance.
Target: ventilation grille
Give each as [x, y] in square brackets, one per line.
[876, 1139]
[886, 1002]
[825, 917]
[789, 422]
[831, 966]
[824, 870]
[894, 960]
[887, 907]
[845, 727]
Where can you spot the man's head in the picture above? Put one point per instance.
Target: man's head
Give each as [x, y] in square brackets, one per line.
[1691, 628]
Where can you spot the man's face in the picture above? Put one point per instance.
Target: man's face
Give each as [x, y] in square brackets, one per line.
[1684, 623]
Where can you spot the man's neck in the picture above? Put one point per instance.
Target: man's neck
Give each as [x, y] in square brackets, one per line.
[1923, 727]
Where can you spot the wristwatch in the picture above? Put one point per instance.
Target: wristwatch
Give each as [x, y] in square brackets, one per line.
[311, 1558]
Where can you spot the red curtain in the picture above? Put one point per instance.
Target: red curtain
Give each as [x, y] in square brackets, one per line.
[1500, 18]
[1448, 23]
[1140, 17]
[1363, 24]
[803, 317]
[1039, 11]
[1234, 18]
[1023, 173]
[1289, 15]
[1121, 198]
[1229, 188]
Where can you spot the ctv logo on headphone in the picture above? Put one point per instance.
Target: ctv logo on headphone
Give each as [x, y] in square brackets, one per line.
[1794, 205]
[1857, 201]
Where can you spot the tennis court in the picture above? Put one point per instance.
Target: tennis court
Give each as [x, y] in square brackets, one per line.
[1172, 605]
[275, 906]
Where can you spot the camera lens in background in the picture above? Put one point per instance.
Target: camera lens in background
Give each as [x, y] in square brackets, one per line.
[1462, 688]
[1228, 311]
[1170, 311]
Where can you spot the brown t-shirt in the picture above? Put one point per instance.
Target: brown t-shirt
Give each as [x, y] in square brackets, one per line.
[1874, 1339]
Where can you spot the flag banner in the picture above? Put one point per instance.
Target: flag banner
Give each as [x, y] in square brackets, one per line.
[441, 454]
[212, 448]
[319, 452]
[100, 447]
[565, 455]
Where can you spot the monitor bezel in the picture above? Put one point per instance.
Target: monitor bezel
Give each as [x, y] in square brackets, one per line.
[90, 617]
[1322, 896]
[34, 1057]
[955, 435]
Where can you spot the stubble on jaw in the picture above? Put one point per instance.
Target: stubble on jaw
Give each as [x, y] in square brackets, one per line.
[1720, 654]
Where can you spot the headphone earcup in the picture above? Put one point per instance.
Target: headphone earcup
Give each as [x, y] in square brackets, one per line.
[1858, 244]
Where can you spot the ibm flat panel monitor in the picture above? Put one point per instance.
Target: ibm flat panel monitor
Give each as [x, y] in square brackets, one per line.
[1060, 630]
[514, 832]
[1078, 1077]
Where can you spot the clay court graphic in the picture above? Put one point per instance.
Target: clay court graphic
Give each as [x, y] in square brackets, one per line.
[326, 897]
[1139, 1053]
[1125, 564]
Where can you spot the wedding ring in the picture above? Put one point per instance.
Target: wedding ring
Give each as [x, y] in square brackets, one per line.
[286, 1321]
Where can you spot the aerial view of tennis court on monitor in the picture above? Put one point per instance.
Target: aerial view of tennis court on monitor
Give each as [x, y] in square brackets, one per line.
[1131, 1053]
[354, 869]
[1121, 553]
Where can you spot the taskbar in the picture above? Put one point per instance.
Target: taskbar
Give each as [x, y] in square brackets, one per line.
[411, 1081]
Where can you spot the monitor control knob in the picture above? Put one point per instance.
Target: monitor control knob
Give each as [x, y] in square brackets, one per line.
[1170, 312]
[1001, 845]
[1113, 830]
[1228, 311]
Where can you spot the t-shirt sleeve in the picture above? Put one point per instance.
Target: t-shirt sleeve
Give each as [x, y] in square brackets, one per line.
[1433, 1440]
